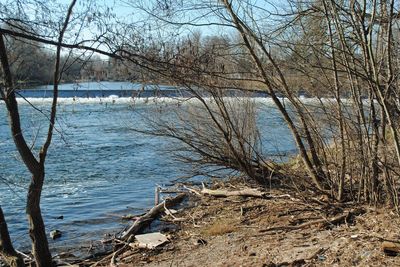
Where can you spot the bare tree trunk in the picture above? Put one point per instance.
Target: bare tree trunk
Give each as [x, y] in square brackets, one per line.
[38, 236]
[37, 231]
[7, 250]
[40, 247]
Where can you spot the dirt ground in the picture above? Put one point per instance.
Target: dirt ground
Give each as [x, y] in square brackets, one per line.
[280, 230]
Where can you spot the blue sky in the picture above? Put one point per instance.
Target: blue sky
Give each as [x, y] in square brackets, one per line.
[124, 12]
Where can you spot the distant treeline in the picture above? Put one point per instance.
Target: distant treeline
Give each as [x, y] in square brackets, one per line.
[219, 60]
[34, 65]
[218, 56]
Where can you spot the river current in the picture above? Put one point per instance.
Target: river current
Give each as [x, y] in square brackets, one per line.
[98, 169]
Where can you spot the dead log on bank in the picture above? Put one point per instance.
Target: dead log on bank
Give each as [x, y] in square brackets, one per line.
[151, 215]
[247, 192]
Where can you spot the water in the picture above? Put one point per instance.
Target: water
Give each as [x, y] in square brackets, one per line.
[98, 169]
[90, 86]
[103, 89]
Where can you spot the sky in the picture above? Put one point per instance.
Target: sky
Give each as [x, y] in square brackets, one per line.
[91, 17]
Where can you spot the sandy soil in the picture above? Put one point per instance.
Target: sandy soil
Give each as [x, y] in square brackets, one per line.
[284, 230]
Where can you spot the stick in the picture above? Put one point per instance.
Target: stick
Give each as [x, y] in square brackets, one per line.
[113, 262]
[157, 195]
[24, 255]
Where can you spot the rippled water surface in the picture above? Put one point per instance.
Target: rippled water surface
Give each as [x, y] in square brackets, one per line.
[98, 169]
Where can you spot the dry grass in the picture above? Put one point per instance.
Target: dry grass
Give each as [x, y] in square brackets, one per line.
[219, 227]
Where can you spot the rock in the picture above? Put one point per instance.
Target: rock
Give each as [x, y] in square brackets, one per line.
[391, 248]
[65, 255]
[60, 217]
[199, 242]
[55, 234]
[321, 257]
[151, 240]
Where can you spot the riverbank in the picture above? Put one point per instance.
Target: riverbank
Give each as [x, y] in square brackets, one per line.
[281, 229]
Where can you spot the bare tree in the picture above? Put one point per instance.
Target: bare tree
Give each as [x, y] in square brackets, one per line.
[36, 166]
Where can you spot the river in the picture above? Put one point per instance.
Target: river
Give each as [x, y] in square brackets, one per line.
[98, 169]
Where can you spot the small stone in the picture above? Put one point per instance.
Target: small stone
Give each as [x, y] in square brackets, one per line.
[65, 255]
[55, 234]
[200, 241]
[321, 257]
[252, 254]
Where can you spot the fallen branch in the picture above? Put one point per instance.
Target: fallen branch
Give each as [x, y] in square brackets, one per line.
[291, 212]
[323, 222]
[150, 216]
[170, 213]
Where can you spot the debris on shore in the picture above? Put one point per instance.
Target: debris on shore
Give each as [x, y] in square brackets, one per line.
[281, 228]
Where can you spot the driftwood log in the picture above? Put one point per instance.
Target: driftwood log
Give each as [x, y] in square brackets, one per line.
[151, 215]
[247, 192]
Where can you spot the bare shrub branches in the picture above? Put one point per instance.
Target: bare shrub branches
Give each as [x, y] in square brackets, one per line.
[213, 131]
[344, 55]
